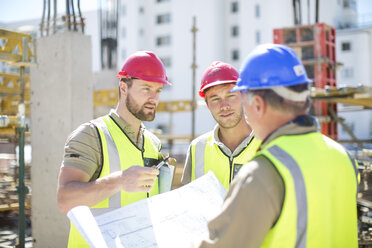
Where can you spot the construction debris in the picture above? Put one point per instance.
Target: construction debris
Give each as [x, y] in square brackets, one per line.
[8, 185]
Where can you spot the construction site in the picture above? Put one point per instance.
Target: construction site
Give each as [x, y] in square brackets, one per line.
[49, 88]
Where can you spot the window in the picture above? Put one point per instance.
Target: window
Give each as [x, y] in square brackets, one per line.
[346, 4]
[234, 7]
[163, 40]
[235, 31]
[141, 10]
[258, 37]
[347, 72]
[167, 61]
[123, 10]
[141, 32]
[346, 46]
[123, 32]
[163, 18]
[235, 55]
[257, 11]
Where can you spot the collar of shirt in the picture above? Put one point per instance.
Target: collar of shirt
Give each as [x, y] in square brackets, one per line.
[300, 125]
[128, 129]
[225, 149]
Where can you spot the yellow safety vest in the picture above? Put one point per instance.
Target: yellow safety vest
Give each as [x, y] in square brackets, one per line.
[119, 153]
[207, 156]
[320, 178]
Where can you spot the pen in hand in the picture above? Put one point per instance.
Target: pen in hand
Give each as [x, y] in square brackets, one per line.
[167, 160]
[162, 163]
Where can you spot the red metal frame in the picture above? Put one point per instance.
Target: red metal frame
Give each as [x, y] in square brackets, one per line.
[316, 46]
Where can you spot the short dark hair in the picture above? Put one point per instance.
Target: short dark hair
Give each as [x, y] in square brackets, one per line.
[282, 104]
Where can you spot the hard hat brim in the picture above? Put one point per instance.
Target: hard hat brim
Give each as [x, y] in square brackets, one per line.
[148, 79]
[207, 86]
[269, 86]
[239, 88]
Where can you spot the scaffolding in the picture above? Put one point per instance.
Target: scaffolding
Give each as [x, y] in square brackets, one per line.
[16, 50]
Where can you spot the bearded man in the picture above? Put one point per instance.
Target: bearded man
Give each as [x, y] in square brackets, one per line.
[108, 161]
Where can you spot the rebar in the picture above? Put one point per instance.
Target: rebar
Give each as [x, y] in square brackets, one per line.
[42, 20]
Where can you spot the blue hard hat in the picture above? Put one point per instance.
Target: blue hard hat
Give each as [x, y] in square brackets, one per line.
[271, 65]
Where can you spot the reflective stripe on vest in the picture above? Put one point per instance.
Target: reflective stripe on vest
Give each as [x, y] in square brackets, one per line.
[300, 189]
[114, 160]
[207, 156]
[200, 153]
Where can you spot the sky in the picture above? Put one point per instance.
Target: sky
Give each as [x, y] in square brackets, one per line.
[17, 10]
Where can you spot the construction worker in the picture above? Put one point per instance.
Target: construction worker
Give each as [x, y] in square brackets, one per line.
[108, 161]
[231, 143]
[300, 188]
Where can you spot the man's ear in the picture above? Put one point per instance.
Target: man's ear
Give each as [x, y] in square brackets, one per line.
[259, 105]
[123, 88]
[206, 101]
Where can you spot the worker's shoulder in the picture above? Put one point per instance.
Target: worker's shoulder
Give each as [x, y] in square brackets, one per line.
[333, 144]
[84, 133]
[262, 168]
[202, 138]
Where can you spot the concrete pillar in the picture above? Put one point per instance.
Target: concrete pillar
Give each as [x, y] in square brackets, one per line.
[61, 100]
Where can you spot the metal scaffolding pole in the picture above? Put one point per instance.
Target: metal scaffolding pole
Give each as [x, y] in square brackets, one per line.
[21, 129]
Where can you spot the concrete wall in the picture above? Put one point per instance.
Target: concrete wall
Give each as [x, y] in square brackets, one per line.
[61, 99]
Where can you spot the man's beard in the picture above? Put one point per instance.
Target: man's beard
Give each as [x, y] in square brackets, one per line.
[229, 123]
[139, 111]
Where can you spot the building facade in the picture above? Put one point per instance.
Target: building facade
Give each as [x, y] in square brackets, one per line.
[227, 30]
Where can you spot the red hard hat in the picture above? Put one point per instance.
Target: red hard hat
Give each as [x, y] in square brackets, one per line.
[218, 73]
[146, 66]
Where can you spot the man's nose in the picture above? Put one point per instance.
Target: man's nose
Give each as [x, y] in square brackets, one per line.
[225, 105]
[154, 97]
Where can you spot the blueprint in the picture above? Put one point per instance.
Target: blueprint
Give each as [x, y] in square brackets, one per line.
[173, 219]
[87, 226]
